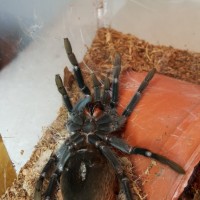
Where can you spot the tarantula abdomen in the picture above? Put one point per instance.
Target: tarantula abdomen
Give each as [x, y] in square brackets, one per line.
[87, 176]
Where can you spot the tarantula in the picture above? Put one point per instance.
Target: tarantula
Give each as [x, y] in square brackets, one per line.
[92, 121]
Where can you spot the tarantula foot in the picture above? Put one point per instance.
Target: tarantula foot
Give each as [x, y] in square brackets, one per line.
[38, 189]
[159, 158]
[170, 163]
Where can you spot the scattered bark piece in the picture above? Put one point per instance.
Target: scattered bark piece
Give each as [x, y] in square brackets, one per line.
[139, 55]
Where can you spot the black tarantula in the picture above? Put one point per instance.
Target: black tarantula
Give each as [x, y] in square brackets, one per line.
[78, 163]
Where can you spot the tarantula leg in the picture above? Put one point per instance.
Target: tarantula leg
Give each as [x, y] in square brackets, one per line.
[128, 110]
[65, 151]
[76, 68]
[124, 147]
[118, 169]
[106, 91]
[82, 103]
[115, 85]
[53, 185]
[96, 85]
[57, 162]
[63, 92]
[106, 151]
[160, 158]
[48, 167]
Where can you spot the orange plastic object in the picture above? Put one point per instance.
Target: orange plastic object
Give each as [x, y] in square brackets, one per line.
[166, 121]
[7, 171]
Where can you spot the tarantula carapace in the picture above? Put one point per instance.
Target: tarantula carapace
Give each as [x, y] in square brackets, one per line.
[91, 124]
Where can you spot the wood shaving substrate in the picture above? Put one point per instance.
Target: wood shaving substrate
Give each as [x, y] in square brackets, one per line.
[136, 55]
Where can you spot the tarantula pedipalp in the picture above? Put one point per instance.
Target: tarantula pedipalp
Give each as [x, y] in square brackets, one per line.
[81, 161]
